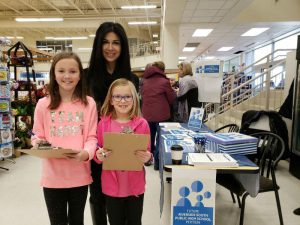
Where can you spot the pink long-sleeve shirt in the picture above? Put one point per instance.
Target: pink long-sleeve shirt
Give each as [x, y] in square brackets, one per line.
[122, 183]
[72, 125]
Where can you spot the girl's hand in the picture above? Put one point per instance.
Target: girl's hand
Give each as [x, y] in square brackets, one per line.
[36, 143]
[80, 156]
[143, 155]
[102, 154]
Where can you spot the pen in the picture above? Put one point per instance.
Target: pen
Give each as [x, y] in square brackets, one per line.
[30, 132]
[209, 157]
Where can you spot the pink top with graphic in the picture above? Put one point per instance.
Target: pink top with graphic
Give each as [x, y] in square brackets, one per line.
[72, 125]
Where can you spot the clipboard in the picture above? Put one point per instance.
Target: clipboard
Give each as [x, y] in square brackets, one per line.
[123, 147]
[48, 153]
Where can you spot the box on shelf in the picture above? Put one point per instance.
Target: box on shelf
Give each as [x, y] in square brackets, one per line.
[231, 143]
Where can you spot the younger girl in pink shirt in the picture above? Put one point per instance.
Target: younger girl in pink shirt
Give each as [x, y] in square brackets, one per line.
[66, 118]
[124, 190]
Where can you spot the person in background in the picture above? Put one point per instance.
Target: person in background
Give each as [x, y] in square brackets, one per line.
[66, 118]
[124, 190]
[187, 93]
[109, 61]
[157, 95]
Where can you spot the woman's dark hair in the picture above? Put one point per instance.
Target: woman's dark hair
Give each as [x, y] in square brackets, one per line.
[80, 91]
[97, 68]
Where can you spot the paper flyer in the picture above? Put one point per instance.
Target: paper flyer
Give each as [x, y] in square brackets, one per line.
[196, 116]
[193, 197]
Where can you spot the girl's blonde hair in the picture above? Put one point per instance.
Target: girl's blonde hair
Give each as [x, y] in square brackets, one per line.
[108, 109]
[186, 68]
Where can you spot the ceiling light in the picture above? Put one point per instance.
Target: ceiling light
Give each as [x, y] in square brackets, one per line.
[210, 57]
[182, 57]
[66, 38]
[155, 42]
[155, 35]
[224, 49]
[92, 35]
[84, 49]
[39, 19]
[45, 49]
[255, 31]
[19, 37]
[142, 23]
[9, 37]
[188, 49]
[202, 32]
[138, 7]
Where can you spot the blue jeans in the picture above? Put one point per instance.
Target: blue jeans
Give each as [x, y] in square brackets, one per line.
[155, 146]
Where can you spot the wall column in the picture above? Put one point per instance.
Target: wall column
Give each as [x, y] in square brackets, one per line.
[169, 45]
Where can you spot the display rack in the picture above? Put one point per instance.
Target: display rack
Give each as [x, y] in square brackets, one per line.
[6, 145]
[23, 99]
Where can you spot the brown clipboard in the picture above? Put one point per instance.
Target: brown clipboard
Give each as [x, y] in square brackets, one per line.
[49, 153]
[123, 147]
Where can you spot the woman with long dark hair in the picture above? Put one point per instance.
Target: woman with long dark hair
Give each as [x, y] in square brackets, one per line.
[109, 61]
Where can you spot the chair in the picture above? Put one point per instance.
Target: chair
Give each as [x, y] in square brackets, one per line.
[267, 157]
[228, 128]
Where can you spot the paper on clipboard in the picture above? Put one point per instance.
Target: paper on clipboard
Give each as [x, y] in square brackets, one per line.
[123, 147]
[49, 153]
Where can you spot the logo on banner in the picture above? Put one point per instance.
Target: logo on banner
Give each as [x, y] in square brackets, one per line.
[193, 211]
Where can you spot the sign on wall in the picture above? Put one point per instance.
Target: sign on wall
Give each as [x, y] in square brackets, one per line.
[193, 197]
[208, 75]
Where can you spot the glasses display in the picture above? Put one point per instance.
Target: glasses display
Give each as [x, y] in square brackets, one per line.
[118, 98]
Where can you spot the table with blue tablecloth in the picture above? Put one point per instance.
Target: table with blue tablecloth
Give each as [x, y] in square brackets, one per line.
[247, 173]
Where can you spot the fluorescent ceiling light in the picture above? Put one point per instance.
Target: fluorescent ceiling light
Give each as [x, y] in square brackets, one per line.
[182, 57]
[92, 35]
[66, 38]
[84, 49]
[9, 37]
[155, 35]
[19, 37]
[255, 31]
[202, 32]
[39, 19]
[210, 57]
[142, 23]
[224, 49]
[155, 42]
[188, 49]
[45, 49]
[138, 7]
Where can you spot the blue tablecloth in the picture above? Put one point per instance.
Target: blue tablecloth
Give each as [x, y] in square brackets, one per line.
[249, 179]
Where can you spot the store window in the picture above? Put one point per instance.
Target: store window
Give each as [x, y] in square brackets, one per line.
[54, 46]
[286, 43]
[262, 52]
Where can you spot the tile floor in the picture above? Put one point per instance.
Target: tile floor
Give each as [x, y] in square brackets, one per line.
[22, 203]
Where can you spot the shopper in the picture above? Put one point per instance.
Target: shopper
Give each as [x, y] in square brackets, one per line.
[124, 190]
[109, 61]
[157, 95]
[187, 93]
[66, 118]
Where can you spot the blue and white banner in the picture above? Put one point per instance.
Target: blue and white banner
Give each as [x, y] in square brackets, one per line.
[208, 75]
[193, 197]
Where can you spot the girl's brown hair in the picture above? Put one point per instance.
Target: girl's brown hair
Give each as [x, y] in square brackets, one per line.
[108, 109]
[80, 91]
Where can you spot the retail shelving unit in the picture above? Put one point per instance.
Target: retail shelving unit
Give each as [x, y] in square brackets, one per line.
[6, 146]
[24, 93]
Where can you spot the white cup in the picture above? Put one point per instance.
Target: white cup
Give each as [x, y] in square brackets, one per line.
[176, 153]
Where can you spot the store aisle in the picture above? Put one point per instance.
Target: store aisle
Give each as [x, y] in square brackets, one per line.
[22, 202]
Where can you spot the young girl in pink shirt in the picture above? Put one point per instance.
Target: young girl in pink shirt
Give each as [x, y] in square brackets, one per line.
[124, 190]
[66, 118]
